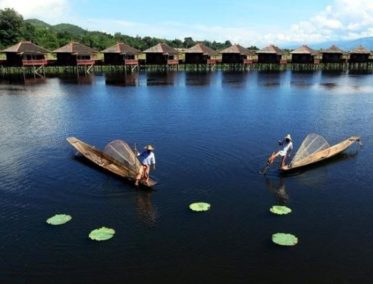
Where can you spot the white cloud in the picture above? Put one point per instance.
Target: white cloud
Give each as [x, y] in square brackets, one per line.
[47, 10]
[343, 19]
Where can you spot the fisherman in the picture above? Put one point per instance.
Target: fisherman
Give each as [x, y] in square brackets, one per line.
[287, 146]
[147, 159]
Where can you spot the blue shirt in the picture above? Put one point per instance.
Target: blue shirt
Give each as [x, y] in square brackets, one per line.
[147, 158]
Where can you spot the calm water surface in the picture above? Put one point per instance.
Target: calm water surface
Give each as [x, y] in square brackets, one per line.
[212, 133]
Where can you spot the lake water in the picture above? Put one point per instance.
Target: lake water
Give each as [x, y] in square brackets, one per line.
[212, 133]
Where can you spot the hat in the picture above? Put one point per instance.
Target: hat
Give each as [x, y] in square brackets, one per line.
[288, 137]
[149, 147]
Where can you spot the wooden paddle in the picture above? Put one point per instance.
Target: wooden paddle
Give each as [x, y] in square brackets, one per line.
[264, 170]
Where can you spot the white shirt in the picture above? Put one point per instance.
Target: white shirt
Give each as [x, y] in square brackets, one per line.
[147, 159]
[285, 151]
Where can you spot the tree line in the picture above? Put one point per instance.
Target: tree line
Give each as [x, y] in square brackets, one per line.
[14, 28]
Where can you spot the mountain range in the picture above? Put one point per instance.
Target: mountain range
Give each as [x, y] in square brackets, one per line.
[72, 29]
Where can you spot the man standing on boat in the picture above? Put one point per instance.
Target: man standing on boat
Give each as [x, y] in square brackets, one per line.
[147, 159]
[287, 146]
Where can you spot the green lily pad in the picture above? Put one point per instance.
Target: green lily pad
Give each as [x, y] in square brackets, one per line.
[59, 219]
[280, 210]
[284, 239]
[199, 206]
[102, 234]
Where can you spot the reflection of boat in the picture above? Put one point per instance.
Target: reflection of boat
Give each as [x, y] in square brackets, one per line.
[315, 149]
[117, 158]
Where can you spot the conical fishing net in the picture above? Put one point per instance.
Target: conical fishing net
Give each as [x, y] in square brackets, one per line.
[122, 153]
[311, 144]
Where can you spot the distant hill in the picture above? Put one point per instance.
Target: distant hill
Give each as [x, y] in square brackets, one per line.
[54, 36]
[60, 28]
[38, 23]
[69, 28]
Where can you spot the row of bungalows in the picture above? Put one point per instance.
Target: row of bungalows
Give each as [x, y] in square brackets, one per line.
[305, 54]
[26, 53]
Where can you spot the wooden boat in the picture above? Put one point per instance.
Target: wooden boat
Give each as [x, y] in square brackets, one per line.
[104, 161]
[321, 155]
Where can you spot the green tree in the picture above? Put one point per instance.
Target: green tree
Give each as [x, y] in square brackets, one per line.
[10, 27]
[253, 47]
[28, 31]
[188, 42]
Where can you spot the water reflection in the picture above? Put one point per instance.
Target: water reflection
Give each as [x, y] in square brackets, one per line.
[270, 79]
[160, 78]
[20, 79]
[80, 79]
[304, 79]
[198, 78]
[277, 187]
[145, 209]
[234, 79]
[122, 79]
[329, 85]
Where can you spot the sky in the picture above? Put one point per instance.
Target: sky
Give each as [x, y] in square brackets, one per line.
[246, 22]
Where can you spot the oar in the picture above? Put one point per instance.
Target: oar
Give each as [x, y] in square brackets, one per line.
[264, 170]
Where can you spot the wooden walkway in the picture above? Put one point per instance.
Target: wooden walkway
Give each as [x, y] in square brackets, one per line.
[42, 67]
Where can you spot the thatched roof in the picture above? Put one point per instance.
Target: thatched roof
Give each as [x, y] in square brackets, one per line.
[76, 48]
[304, 49]
[121, 48]
[270, 49]
[161, 48]
[201, 48]
[333, 49]
[360, 50]
[26, 47]
[237, 49]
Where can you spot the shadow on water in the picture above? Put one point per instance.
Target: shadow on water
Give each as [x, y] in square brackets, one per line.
[270, 79]
[277, 187]
[198, 78]
[79, 79]
[9, 82]
[161, 78]
[303, 79]
[146, 211]
[236, 79]
[122, 79]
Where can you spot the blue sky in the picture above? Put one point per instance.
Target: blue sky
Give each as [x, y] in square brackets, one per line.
[241, 21]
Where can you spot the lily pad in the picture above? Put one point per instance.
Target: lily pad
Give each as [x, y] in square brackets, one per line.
[102, 234]
[280, 210]
[59, 219]
[199, 206]
[284, 239]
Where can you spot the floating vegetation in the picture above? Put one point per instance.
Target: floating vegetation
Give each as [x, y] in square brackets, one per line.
[199, 206]
[280, 210]
[102, 234]
[284, 239]
[59, 219]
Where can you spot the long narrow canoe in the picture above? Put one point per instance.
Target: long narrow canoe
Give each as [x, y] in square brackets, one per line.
[99, 158]
[322, 155]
